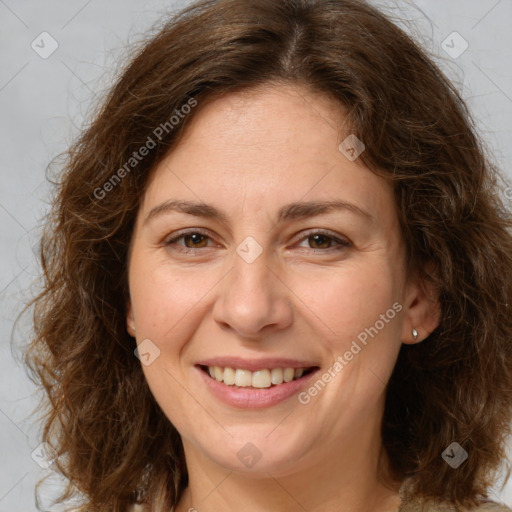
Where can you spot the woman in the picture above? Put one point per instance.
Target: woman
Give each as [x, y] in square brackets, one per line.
[277, 276]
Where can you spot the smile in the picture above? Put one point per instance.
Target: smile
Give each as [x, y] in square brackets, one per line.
[256, 388]
[264, 378]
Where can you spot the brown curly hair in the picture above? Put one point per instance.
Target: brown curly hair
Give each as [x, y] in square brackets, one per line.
[114, 443]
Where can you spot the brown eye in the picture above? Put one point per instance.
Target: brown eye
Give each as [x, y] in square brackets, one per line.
[197, 240]
[191, 240]
[321, 241]
[324, 241]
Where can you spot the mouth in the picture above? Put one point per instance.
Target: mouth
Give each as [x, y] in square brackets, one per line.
[256, 388]
[259, 379]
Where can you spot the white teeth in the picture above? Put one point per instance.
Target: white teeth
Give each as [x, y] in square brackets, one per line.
[229, 376]
[288, 374]
[259, 379]
[277, 375]
[243, 378]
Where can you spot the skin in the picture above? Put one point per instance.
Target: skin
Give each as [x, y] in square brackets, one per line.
[248, 154]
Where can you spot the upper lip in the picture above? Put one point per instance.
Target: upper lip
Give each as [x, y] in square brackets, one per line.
[255, 364]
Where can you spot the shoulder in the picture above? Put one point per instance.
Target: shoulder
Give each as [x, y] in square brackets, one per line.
[490, 506]
[133, 508]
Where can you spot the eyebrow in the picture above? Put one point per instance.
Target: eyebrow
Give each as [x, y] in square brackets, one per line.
[289, 212]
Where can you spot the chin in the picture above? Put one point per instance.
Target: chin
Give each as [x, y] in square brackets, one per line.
[257, 451]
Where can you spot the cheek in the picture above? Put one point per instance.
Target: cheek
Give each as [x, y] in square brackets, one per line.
[167, 303]
[165, 298]
[345, 302]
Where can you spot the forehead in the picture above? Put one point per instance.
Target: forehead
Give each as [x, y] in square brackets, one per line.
[268, 144]
[268, 116]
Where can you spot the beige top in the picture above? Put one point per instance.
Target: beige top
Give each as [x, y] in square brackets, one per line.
[486, 507]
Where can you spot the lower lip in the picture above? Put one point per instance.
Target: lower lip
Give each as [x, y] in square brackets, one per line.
[252, 398]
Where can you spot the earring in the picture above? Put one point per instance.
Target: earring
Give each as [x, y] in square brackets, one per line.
[415, 334]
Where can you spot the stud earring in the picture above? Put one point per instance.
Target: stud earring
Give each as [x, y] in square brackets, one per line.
[415, 334]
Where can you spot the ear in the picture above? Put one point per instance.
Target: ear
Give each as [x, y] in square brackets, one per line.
[422, 310]
[130, 320]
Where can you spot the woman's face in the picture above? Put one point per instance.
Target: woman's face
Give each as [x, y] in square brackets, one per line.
[237, 261]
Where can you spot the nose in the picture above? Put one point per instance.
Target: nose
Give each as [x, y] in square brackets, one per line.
[253, 300]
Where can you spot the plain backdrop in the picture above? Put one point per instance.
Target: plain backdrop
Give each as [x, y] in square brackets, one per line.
[44, 97]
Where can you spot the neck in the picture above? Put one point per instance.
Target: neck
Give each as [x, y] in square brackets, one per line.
[233, 493]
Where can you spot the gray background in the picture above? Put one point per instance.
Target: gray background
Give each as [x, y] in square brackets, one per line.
[43, 103]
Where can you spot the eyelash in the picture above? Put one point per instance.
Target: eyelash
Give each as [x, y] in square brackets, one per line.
[342, 244]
